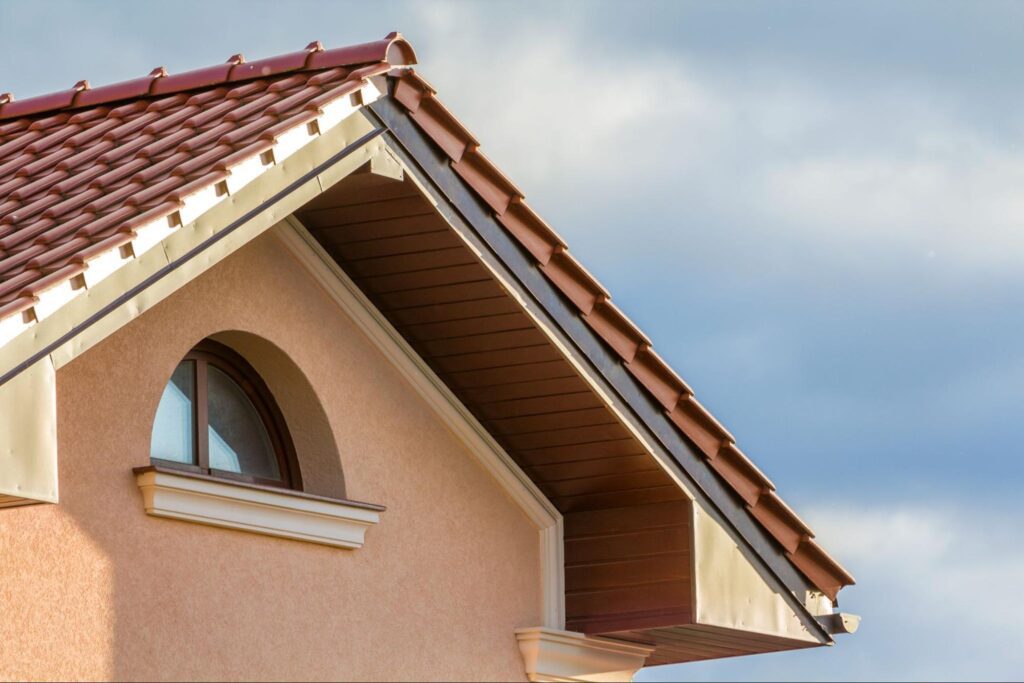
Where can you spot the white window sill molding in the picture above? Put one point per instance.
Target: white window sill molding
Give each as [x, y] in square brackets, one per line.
[258, 509]
[552, 655]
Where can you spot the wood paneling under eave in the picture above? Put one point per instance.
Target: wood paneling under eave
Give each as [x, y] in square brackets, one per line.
[628, 567]
[697, 642]
[631, 568]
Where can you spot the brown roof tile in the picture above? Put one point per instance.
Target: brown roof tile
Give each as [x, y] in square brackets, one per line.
[79, 164]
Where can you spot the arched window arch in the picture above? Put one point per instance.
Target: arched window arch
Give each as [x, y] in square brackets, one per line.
[217, 417]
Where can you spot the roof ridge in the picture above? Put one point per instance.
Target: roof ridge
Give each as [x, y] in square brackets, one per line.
[393, 49]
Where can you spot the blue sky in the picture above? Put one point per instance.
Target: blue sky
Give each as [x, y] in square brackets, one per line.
[814, 210]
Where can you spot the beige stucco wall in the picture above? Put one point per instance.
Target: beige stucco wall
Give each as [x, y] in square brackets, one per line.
[93, 588]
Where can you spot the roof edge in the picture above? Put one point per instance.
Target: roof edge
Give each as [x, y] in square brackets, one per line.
[393, 50]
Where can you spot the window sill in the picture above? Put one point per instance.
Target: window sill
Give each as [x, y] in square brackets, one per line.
[266, 510]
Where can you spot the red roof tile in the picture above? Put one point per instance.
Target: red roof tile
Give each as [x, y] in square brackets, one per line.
[78, 164]
[81, 169]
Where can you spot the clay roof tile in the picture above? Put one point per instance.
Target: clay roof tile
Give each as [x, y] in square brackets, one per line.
[85, 155]
[192, 80]
[35, 105]
[125, 90]
[271, 66]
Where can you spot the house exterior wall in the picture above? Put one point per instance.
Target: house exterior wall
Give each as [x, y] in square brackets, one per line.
[92, 588]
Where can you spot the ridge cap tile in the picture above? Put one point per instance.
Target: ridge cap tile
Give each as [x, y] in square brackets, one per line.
[237, 69]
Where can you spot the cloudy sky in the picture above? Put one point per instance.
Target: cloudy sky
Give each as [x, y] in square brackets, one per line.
[815, 210]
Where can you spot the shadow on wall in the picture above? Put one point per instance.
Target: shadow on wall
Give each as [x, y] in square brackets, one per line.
[307, 422]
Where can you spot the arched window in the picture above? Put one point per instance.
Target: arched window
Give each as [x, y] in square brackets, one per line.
[217, 417]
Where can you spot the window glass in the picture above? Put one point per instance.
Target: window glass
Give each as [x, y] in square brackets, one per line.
[238, 440]
[172, 430]
[217, 417]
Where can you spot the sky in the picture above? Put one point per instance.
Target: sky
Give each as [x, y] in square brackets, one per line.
[814, 210]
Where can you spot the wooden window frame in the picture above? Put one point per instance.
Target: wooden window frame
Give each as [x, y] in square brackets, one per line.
[232, 364]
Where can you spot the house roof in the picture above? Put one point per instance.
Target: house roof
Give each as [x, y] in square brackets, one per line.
[82, 169]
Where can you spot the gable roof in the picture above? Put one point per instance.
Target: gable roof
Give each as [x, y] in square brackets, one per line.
[82, 170]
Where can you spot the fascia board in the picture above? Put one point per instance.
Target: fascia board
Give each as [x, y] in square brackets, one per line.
[729, 592]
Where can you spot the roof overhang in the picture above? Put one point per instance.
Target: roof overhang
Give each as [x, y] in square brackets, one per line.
[511, 265]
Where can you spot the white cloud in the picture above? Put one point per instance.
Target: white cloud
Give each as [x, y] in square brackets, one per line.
[963, 207]
[553, 109]
[937, 590]
[939, 581]
[878, 176]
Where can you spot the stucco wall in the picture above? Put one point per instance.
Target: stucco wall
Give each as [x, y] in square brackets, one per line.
[93, 588]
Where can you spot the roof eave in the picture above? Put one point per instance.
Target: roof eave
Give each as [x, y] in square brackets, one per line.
[417, 151]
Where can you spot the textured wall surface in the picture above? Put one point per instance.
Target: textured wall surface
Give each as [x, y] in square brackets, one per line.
[93, 588]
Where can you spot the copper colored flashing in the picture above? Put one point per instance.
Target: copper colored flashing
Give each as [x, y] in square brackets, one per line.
[821, 569]
[444, 130]
[569, 276]
[698, 424]
[624, 338]
[486, 180]
[780, 521]
[621, 335]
